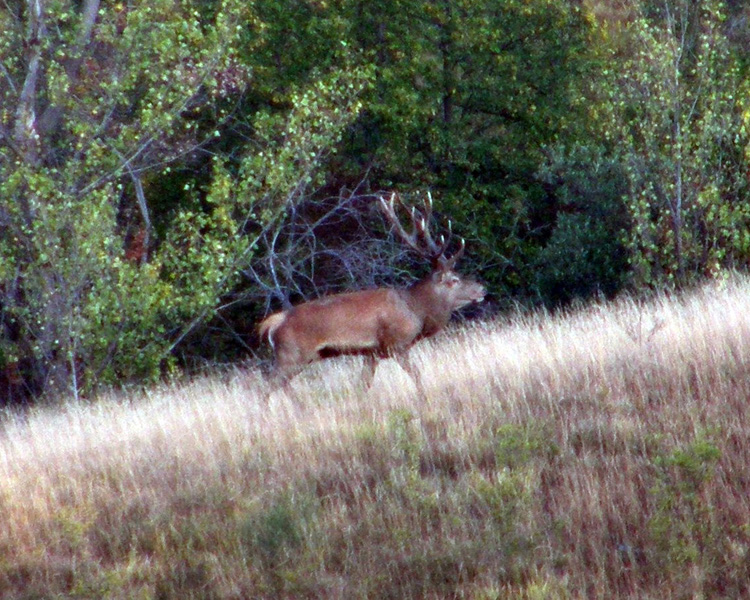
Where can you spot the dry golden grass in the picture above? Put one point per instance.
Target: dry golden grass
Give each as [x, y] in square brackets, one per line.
[598, 454]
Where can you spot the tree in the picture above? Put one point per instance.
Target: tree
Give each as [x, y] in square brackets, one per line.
[678, 135]
[465, 98]
[96, 103]
[585, 254]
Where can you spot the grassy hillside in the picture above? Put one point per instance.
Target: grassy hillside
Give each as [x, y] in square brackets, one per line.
[598, 454]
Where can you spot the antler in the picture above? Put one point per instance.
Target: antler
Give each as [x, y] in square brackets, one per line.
[429, 248]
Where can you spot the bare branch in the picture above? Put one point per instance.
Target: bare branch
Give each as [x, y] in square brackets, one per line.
[8, 78]
[144, 210]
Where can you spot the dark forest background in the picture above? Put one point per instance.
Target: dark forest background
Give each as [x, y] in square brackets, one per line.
[171, 171]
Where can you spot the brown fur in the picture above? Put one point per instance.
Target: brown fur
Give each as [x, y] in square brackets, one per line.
[381, 321]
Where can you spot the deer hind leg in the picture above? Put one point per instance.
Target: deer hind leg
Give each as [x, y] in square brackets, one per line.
[370, 367]
[280, 381]
[290, 360]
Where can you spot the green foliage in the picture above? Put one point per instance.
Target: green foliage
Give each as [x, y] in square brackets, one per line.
[465, 97]
[76, 306]
[584, 254]
[273, 531]
[684, 526]
[676, 132]
[518, 447]
[295, 144]
[92, 291]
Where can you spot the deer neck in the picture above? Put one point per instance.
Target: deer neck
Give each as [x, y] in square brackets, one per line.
[428, 305]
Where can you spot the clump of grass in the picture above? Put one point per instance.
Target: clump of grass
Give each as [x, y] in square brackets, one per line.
[599, 453]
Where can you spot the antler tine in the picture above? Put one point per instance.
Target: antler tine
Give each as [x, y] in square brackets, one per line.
[428, 206]
[435, 249]
[449, 263]
[390, 213]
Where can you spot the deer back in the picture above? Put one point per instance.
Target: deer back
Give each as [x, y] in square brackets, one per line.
[369, 319]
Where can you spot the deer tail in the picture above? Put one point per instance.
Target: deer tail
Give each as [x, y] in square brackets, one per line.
[267, 327]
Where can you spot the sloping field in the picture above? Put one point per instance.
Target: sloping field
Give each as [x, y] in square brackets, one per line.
[604, 453]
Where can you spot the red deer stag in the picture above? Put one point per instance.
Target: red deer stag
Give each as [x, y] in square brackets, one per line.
[379, 322]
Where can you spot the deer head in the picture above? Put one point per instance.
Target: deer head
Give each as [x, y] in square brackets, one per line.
[444, 290]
